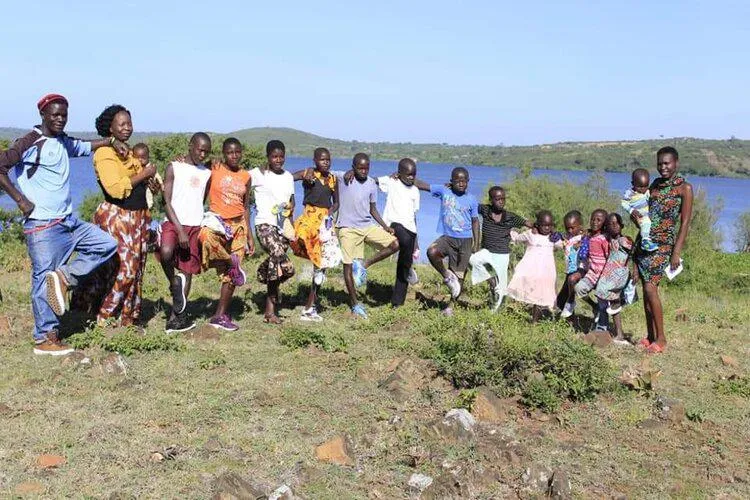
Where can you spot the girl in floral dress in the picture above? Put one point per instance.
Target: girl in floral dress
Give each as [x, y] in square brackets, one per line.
[615, 274]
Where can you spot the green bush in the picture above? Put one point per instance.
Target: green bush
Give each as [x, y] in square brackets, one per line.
[545, 364]
[295, 337]
[89, 204]
[742, 233]
[126, 343]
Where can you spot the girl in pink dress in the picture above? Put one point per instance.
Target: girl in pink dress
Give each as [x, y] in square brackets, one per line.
[534, 277]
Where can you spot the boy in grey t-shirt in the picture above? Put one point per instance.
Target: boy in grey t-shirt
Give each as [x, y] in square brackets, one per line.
[359, 222]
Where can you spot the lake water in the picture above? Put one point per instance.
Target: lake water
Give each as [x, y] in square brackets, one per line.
[731, 193]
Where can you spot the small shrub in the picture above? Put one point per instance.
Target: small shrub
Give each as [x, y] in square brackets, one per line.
[295, 337]
[126, 343]
[734, 386]
[212, 361]
[88, 206]
[466, 398]
[544, 364]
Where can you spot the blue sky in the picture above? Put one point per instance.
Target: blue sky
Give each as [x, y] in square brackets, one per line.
[483, 72]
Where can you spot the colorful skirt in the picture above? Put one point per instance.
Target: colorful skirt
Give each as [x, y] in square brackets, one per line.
[116, 285]
[651, 265]
[277, 266]
[217, 251]
[307, 228]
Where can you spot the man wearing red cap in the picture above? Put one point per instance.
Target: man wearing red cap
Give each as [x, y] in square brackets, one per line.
[41, 160]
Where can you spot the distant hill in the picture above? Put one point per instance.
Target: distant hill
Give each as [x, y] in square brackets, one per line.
[729, 158]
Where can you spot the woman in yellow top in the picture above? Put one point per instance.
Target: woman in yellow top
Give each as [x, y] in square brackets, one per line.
[123, 214]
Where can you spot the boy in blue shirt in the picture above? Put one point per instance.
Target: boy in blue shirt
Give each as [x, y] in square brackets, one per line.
[459, 226]
[41, 160]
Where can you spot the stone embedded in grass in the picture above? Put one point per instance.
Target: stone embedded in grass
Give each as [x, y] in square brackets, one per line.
[559, 487]
[77, 359]
[458, 425]
[419, 482]
[598, 339]
[50, 461]
[29, 488]
[672, 410]
[203, 334]
[230, 486]
[487, 407]
[113, 364]
[446, 485]
[407, 379]
[728, 361]
[537, 478]
[283, 492]
[338, 450]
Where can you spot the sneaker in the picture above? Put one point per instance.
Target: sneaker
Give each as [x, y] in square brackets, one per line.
[448, 311]
[613, 310]
[649, 246]
[236, 274]
[57, 290]
[359, 273]
[312, 315]
[498, 299]
[568, 309]
[319, 277]
[453, 284]
[359, 310]
[179, 301]
[179, 323]
[52, 346]
[223, 322]
[412, 279]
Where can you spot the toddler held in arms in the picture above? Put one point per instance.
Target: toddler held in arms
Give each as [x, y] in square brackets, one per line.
[636, 199]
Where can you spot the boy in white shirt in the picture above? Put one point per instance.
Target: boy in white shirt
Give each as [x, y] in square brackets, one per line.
[401, 206]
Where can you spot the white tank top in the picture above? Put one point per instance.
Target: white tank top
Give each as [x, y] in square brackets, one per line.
[188, 190]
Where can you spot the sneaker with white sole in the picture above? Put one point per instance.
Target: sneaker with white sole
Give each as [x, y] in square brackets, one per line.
[412, 279]
[57, 290]
[568, 310]
[310, 315]
[612, 310]
[359, 310]
[223, 322]
[179, 301]
[52, 346]
[179, 323]
[498, 297]
[454, 285]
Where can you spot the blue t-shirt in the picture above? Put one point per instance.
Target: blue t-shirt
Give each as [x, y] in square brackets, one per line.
[43, 175]
[456, 212]
[354, 202]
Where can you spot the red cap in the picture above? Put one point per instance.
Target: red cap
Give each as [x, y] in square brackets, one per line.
[50, 98]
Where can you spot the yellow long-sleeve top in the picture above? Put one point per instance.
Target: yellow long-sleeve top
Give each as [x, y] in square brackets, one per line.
[114, 175]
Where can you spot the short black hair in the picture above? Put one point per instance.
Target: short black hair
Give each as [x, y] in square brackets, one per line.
[229, 141]
[320, 151]
[459, 170]
[405, 163]
[104, 120]
[495, 189]
[141, 146]
[200, 135]
[616, 216]
[668, 150]
[542, 214]
[360, 156]
[640, 176]
[600, 211]
[573, 215]
[273, 145]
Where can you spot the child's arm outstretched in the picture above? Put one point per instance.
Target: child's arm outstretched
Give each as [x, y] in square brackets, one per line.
[421, 185]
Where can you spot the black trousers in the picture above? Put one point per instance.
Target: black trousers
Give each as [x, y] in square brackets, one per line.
[406, 243]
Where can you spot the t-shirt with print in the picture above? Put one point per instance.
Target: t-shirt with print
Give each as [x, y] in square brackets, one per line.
[496, 235]
[401, 202]
[271, 190]
[354, 202]
[43, 175]
[318, 193]
[227, 193]
[456, 212]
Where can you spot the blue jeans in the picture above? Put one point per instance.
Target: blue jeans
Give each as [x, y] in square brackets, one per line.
[50, 248]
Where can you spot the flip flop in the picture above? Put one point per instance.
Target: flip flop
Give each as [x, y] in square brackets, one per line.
[644, 342]
[273, 319]
[655, 349]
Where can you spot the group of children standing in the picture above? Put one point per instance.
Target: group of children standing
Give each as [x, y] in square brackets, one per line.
[340, 217]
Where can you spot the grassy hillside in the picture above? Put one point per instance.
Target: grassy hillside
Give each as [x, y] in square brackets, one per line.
[728, 158]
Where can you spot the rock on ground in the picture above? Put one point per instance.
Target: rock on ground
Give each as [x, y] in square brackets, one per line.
[113, 364]
[419, 482]
[338, 450]
[230, 486]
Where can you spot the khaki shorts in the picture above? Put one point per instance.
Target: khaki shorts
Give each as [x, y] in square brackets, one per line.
[353, 241]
